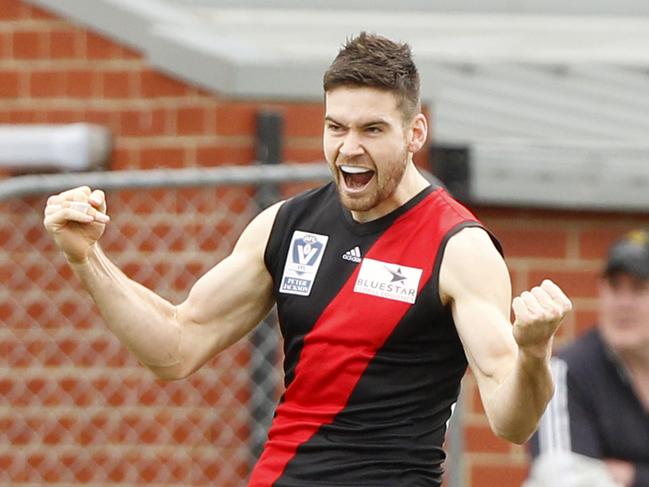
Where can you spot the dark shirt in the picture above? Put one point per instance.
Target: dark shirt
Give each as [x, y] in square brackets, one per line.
[372, 361]
[595, 411]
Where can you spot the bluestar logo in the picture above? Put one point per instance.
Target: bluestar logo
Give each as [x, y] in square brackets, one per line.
[389, 281]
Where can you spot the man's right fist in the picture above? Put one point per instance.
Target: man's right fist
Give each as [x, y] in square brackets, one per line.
[76, 219]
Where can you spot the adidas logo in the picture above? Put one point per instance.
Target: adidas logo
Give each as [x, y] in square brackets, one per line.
[354, 255]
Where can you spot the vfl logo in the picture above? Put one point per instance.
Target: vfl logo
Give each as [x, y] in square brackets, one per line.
[302, 262]
[389, 281]
[306, 250]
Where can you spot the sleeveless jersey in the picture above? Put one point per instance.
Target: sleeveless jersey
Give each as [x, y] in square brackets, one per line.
[372, 359]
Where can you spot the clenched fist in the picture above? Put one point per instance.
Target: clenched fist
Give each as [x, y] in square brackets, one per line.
[538, 314]
[76, 219]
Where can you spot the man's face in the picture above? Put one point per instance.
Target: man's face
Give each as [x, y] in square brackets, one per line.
[366, 144]
[624, 312]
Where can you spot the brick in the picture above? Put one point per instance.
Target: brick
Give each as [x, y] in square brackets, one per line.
[529, 242]
[29, 45]
[64, 116]
[585, 319]
[142, 122]
[154, 84]
[122, 158]
[472, 393]
[101, 116]
[124, 52]
[82, 83]
[300, 154]
[216, 155]
[118, 84]
[498, 475]
[576, 284]
[64, 44]
[240, 118]
[12, 10]
[98, 47]
[480, 438]
[236, 118]
[161, 157]
[191, 120]
[37, 13]
[9, 84]
[304, 120]
[594, 244]
[6, 48]
[43, 84]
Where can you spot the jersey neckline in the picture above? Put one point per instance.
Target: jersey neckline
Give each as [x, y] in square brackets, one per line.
[380, 224]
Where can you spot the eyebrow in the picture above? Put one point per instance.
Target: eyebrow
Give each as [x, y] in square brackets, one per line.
[369, 123]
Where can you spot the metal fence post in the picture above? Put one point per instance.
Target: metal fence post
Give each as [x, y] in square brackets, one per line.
[264, 340]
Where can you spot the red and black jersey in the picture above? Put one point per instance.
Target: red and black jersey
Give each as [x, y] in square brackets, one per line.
[373, 361]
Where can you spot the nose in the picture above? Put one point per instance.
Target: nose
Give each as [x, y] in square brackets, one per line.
[350, 146]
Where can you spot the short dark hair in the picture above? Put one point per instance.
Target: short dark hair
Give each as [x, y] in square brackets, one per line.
[373, 61]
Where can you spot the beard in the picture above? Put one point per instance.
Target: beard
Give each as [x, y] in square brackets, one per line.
[383, 184]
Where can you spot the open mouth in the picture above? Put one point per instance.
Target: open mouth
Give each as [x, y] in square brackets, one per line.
[356, 177]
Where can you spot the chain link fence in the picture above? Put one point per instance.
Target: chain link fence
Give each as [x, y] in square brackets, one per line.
[75, 406]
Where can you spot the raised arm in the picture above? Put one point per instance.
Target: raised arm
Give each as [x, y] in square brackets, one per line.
[172, 340]
[510, 363]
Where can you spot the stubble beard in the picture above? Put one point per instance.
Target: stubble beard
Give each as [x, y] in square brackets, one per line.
[385, 183]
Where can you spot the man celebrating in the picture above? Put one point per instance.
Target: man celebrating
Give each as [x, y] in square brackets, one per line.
[385, 288]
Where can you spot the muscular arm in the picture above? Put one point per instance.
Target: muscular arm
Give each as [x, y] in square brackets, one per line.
[511, 365]
[223, 305]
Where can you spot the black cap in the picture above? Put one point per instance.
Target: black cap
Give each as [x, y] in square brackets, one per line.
[630, 255]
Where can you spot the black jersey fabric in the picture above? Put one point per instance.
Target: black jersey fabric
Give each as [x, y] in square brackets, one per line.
[595, 411]
[372, 358]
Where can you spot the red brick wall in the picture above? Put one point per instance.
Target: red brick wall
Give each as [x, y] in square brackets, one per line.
[52, 71]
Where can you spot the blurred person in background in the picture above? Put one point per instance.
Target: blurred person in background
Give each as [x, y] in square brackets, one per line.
[385, 287]
[601, 405]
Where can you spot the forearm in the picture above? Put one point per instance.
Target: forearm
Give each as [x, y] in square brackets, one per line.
[516, 405]
[142, 320]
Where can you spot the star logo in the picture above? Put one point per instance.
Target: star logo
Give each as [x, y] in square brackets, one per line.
[397, 276]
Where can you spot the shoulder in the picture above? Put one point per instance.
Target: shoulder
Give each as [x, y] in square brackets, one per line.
[472, 262]
[471, 244]
[257, 232]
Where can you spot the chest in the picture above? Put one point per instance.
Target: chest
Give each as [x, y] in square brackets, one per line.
[373, 277]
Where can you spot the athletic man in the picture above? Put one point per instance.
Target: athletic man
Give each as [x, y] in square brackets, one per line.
[385, 288]
[601, 409]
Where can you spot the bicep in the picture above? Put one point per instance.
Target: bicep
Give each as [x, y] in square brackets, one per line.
[231, 298]
[475, 281]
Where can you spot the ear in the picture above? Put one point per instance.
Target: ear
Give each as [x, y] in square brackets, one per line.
[418, 133]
